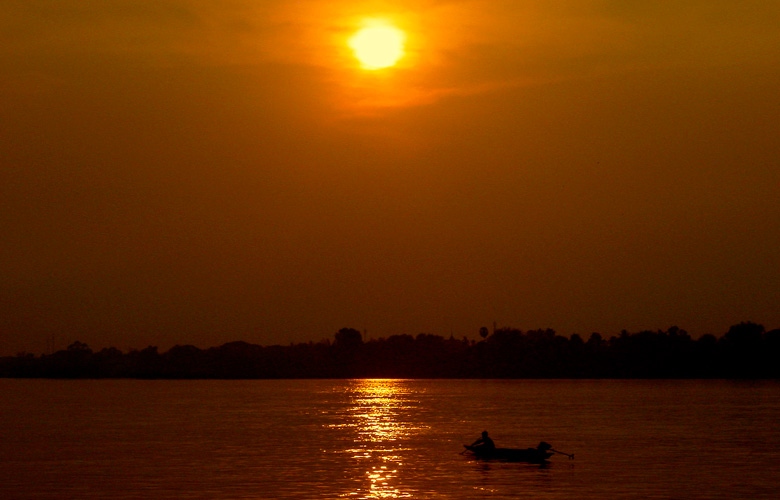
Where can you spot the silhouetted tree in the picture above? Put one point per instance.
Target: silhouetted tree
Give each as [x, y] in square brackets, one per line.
[743, 344]
[771, 354]
[346, 352]
[146, 363]
[79, 347]
[349, 338]
[746, 335]
[185, 361]
[76, 361]
[746, 350]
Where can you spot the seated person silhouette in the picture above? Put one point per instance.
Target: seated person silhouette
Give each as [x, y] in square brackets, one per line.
[483, 444]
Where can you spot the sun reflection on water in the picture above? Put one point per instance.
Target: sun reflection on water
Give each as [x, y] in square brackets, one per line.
[379, 418]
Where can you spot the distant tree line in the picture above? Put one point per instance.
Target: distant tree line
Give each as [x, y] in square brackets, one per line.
[747, 350]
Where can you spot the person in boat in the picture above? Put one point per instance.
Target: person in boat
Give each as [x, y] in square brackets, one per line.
[484, 443]
[543, 447]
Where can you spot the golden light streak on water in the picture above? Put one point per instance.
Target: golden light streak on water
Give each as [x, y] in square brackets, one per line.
[377, 415]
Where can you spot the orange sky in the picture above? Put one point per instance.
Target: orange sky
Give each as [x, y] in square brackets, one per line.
[197, 172]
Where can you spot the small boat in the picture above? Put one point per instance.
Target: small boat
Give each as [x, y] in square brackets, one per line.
[531, 455]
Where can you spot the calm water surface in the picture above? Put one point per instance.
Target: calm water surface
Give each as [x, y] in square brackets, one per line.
[372, 439]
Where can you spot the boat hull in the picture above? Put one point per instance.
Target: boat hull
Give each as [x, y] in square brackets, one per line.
[531, 455]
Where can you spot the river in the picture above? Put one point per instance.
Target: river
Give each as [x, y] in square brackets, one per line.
[377, 439]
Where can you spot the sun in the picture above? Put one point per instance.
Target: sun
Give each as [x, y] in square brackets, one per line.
[378, 47]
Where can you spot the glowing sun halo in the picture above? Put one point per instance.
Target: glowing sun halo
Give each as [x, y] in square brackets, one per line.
[378, 47]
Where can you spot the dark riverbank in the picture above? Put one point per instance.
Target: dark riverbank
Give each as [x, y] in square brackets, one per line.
[747, 350]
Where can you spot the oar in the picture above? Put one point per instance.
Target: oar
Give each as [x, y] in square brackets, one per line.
[571, 457]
